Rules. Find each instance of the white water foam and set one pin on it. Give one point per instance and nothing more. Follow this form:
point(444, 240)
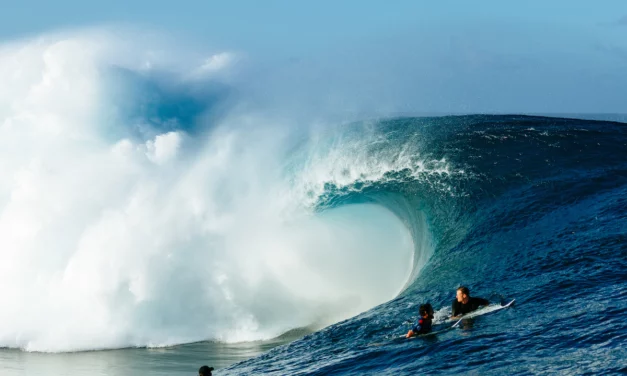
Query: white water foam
point(114, 241)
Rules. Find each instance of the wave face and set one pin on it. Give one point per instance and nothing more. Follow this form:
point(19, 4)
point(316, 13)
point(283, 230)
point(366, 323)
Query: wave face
point(143, 208)
point(533, 208)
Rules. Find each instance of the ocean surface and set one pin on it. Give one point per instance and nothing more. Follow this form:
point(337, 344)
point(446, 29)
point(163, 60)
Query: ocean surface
point(514, 207)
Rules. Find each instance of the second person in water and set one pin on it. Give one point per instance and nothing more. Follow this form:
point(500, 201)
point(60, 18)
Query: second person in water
point(464, 304)
point(424, 322)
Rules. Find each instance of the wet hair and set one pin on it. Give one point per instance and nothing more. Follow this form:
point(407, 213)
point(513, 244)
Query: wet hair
point(464, 290)
point(426, 309)
point(205, 371)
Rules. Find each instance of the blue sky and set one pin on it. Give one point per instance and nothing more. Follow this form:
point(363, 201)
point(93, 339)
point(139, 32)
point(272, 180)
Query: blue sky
point(490, 56)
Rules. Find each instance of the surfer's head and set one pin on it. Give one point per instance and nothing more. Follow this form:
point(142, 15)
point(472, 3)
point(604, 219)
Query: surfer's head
point(205, 371)
point(463, 294)
point(426, 311)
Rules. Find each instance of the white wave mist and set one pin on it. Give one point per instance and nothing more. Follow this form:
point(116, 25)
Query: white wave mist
point(108, 240)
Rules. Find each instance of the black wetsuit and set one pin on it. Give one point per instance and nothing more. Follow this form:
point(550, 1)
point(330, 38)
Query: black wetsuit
point(423, 326)
point(473, 304)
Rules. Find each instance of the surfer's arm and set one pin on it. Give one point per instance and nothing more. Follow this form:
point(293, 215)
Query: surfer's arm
point(454, 315)
point(414, 330)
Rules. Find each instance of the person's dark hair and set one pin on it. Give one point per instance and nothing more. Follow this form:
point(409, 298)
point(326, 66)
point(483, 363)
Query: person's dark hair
point(464, 290)
point(426, 308)
point(205, 371)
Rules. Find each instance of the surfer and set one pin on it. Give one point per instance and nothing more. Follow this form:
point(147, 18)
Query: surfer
point(424, 322)
point(464, 304)
point(205, 371)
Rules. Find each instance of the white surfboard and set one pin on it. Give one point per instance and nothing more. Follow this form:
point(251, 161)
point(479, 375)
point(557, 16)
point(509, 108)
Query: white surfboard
point(483, 311)
point(427, 334)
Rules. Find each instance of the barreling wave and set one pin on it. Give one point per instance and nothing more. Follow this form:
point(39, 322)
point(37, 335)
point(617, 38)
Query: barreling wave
point(535, 212)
